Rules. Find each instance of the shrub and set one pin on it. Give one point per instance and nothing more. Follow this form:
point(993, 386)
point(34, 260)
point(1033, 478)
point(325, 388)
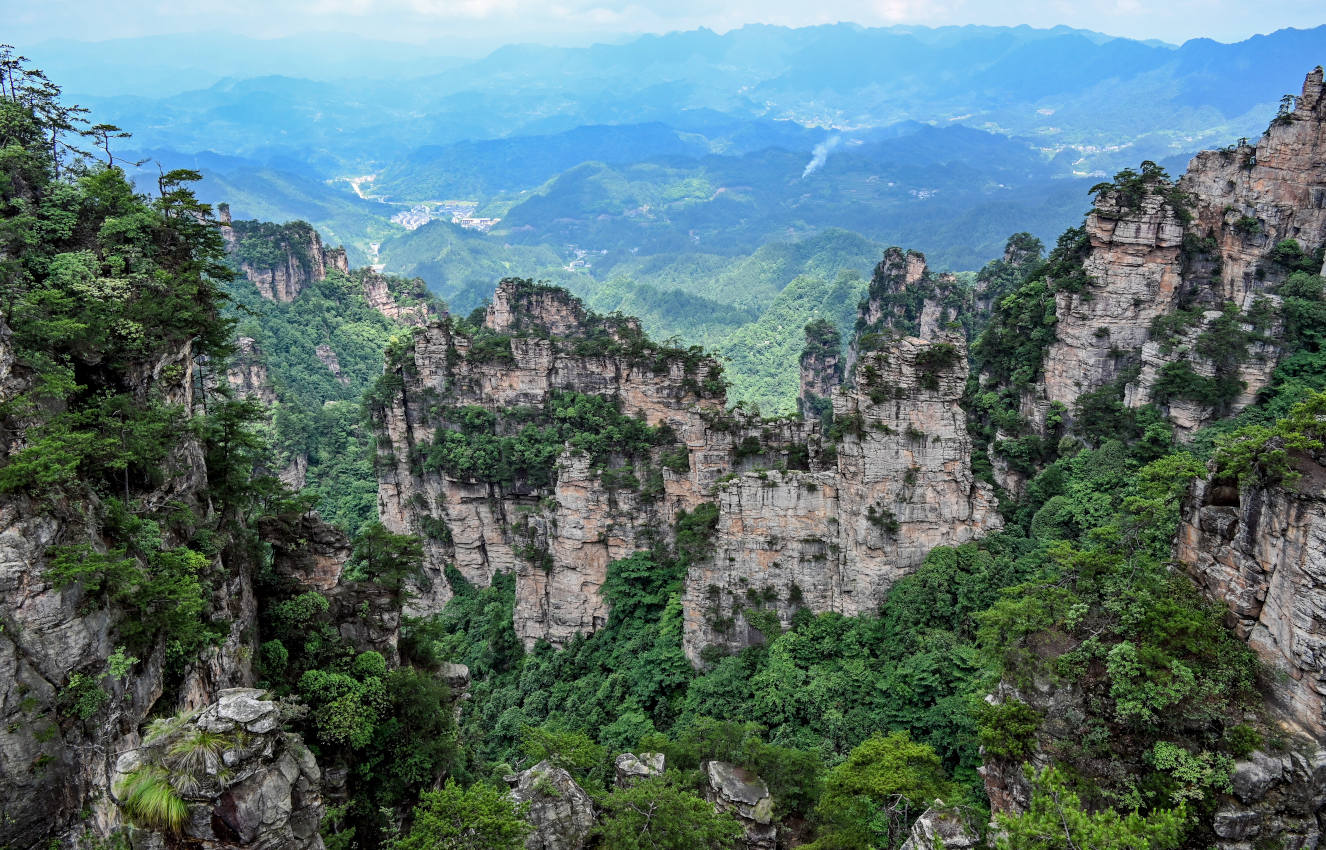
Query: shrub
point(150, 801)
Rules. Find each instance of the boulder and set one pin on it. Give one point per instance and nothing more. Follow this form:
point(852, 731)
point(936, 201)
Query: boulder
point(632, 768)
point(941, 826)
point(246, 783)
point(559, 809)
point(739, 791)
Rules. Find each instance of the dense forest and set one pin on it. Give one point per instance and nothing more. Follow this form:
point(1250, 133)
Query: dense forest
point(148, 519)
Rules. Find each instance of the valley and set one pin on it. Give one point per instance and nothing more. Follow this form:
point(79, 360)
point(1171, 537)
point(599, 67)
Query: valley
point(820, 453)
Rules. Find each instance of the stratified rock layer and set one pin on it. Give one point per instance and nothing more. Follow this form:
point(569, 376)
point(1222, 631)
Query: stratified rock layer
point(830, 533)
point(1261, 551)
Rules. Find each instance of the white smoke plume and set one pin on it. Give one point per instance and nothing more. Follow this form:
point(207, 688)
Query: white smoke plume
point(820, 154)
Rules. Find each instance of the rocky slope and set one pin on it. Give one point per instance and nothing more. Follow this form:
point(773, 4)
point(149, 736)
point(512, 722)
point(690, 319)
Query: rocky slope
point(279, 259)
point(799, 525)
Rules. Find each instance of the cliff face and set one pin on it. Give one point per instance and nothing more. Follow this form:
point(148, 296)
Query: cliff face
point(1262, 552)
point(837, 538)
point(799, 525)
point(55, 759)
point(821, 369)
point(247, 375)
point(279, 259)
point(1171, 268)
point(556, 535)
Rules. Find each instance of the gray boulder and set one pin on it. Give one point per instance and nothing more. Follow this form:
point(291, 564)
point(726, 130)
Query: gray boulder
point(245, 782)
point(737, 790)
point(559, 809)
point(941, 826)
point(632, 768)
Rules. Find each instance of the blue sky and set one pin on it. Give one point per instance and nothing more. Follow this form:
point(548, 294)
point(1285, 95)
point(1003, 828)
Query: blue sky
point(470, 25)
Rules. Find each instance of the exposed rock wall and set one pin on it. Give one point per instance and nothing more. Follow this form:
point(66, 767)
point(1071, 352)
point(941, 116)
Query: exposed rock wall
point(55, 764)
point(836, 539)
point(1206, 244)
point(578, 524)
point(1262, 552)
point(821, 369)
point(1135, 266)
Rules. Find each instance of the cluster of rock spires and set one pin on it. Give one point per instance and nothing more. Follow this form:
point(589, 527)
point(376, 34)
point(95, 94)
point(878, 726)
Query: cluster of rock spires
point(805, 519)
point(798, 526)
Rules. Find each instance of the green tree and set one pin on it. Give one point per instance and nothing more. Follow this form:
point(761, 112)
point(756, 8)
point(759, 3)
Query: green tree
point(386, 558)
point(480, 817)
point(658, 814)
point(1057, 820)
point(871, 799)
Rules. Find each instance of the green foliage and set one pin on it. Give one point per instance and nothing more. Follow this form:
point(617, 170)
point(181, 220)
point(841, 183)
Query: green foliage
point(1130, 188)
point(523, 444)
point(1265, 454)
point(871, 799)
point(480, 817)
point(659, 814)
point(1058, 819)
point(385, 558)
point(1008, 728)
point(150, 801)
point(82, 696)
point(573, 751)
point(160, 591)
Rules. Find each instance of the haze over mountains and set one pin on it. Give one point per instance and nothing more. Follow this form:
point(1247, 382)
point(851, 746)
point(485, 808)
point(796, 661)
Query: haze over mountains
point(639, 173)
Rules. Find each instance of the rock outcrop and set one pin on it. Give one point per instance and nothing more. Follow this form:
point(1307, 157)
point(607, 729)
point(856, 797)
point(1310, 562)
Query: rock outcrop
point(821, 369)
point(905, 299)
point(1160, 255)
point(738, 791)
point(327, 356)
point(560, 811)
point(557, 536)
point(631, 768)
point(836, 538)
point(279, 259)
point(244, 782)
point(1261, 551)
point(407, 303)
point(1276, 800)
point(247, 375)
point(942, 828)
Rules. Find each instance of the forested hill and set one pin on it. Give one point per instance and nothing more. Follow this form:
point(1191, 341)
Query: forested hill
point(1032, 567)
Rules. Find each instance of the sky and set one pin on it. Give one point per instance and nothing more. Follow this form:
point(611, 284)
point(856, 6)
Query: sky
point(467, 27)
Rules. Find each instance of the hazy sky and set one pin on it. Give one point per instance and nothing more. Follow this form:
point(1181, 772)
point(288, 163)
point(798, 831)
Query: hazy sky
point(483, 23)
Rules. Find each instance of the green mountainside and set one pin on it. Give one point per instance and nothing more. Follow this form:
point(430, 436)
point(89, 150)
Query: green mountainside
point(195, 653)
